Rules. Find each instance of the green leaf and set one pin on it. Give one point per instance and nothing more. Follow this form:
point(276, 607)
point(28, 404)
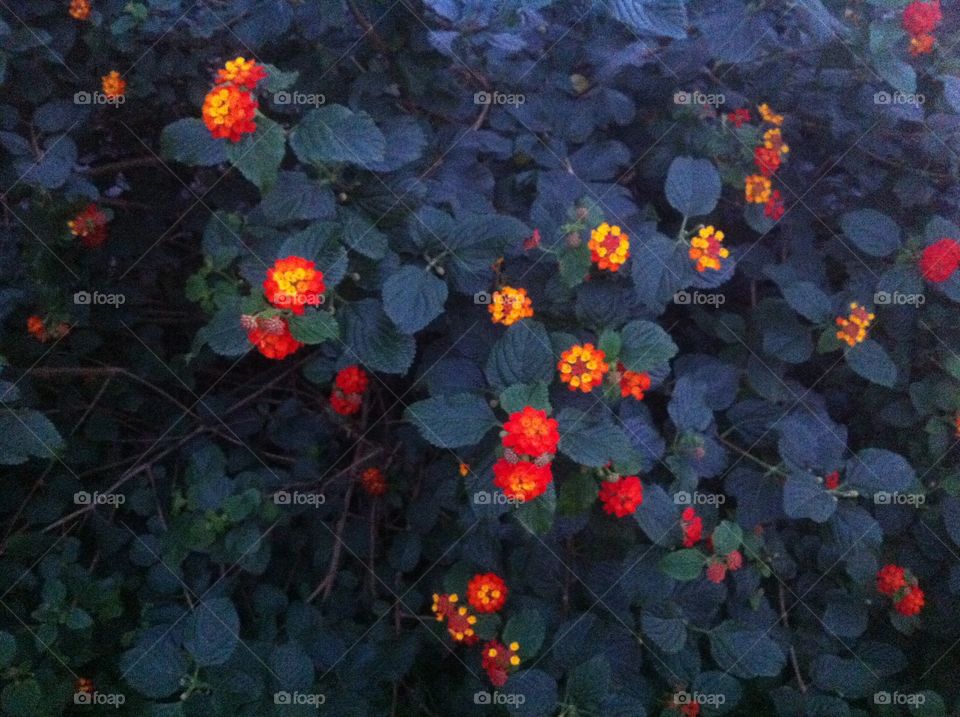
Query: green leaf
point(646, 346)
point(188, 141)
point(898, 73)
point(805, 497)
point(588, 685)
point(668, 633)
point(873, 232)
point(746, 652)
point(526, 627)
point(683, 565)
point(522, 355)
point(337, 134)
point(21, 699)
point(610, 343)
point(361, 234)
point(452, 421)
point(258, 155)
point(515, 398)
point(224, 334)
point(25, 433)
point(211, 632)
point(8, 648)
point(374, 340)
point(314, 327)
point(693, 186)
point(292, 667)
point(277, 79)
point(413, 297)
point(868, 359)
point(537, 515)
point(652, 17)
point(727, 537)
point(155, 666)
point(574, 265)
point(578, 494)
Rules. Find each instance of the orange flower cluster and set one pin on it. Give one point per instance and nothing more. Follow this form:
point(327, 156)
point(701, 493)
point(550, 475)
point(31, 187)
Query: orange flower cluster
point(706, 249)
point(582, 367)
point(113, 85)
point(271, 335)
point(90, 225)
point(349, 386)
point(293, 283)
point(80, 9)
point(609, 247)
point(486, 592)
point(530, 439)
point(230, 108)
point(498, 661)
point(853, 329)
point(509, 305)
point(459, 620)
point(373, 481)
point(758, 188)
point(38, 329)
point(633, 383)
point(903, 587)
point(920, 19)
point(621, 497)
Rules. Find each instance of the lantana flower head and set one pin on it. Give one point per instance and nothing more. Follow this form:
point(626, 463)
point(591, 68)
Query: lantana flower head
point(373, 481)
point(832, 480)
point(922, 45)
point(621, 497)
point(902, 587)
point(739, 117)
point(293, 283)
point(890, 579)
point(241, 72)
point(692, 525)
point(349, 386)
point(531, 432)
point(498, 660)
point(922, 17)
point(940, 260)
point(757, 189)
point(90, 226)
point(229, 112)
point(486, 592)
point(272, 337)
point(113, 85)
point(508, 306)
point(522, 480)
point(767, 160)
point(706, 249)
point(716, 572)
point(768, 115)
point(773, 139)
point(609, 247)
point(633, 383)
point(911, 603)
point(582, 367)
point(853, 328)
point(774, 208)
point(39, 330)
point(80, 9)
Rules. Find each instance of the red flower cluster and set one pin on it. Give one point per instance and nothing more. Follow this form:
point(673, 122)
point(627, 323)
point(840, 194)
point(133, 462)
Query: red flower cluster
point(90, 225)
point(294, 282)
point(348, 389)
point(739, 117)
point(832, 480)
point(271, 335)
point(633, 383)
point(39, 330)
point(373, 481)
point(486, 592)
point(899, 584)
point(529, 442)
point(459, 620)
point(230, 108)
point(692, 525)
point(920, 19)
point(940, 260)
point(718, 567)
point(498, 661)
point(621, 497)
point(767, 157)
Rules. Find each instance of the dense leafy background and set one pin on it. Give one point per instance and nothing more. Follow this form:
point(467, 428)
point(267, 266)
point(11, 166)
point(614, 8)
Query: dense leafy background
point(200, 595)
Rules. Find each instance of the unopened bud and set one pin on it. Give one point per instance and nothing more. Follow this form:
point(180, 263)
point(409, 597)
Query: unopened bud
point(510, 455)
point(248, 322)
point(273, 325)
point(573, 240)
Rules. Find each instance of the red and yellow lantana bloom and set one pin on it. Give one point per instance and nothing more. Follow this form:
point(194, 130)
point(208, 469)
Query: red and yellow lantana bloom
point(292, 283)
point(113, 85)
point(272, 337)
point(530, 432)
point(706, 249)
point(241, 72)
point(853, 328)
point(487, 592)
point(582, 367)
point(523, 480)
point(509, 305)
point(90, 226)
point(609, 247)
point(229, 112)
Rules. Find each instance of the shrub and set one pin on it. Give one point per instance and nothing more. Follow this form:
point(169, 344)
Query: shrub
point(454, 358)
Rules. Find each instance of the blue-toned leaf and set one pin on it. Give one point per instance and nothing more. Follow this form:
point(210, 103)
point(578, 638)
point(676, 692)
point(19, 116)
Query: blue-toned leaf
point(693, 186)
point(452, 421)
point(413, 297)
